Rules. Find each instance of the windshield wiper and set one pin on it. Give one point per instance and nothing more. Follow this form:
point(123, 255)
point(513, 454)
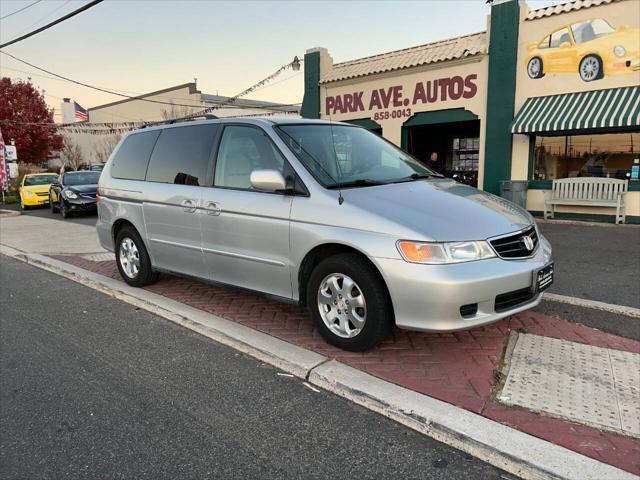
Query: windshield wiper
point(361, 182)
point(417, 176)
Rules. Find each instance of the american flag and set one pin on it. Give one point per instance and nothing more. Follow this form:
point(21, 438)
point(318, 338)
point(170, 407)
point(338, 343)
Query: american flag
point(80, 113)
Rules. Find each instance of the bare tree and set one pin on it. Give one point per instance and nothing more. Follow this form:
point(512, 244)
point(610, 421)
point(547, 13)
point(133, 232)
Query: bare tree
point(102, 149)
point(177, 111)
point(71, 154)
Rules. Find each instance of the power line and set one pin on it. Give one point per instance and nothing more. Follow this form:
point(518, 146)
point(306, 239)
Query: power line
point(55, 22)
point(47, 15)
point(20, 10)
point(229, 102)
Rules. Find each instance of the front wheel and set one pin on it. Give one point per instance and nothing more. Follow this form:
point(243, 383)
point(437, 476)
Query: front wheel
point(23, 207)
point(349, 303)
point(54, 209)
point(64, 209)
point(591, 68)
point(133, 259)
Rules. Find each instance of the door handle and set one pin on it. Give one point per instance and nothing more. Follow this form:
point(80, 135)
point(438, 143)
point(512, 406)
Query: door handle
point(188, 206)
point(213, 208)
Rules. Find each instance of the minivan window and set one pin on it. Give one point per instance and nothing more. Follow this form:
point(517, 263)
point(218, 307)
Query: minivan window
point(340, 154)
point(182, 154)
point(131, 160)
point(242, 150)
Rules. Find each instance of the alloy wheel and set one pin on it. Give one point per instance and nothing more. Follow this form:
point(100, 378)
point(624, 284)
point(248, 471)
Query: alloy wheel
point(589, 69)
point(534, 68)
point(342, 305)
point(129, 257)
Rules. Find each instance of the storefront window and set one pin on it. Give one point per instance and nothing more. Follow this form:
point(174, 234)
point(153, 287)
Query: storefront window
point(464, 164)
point(606, 155)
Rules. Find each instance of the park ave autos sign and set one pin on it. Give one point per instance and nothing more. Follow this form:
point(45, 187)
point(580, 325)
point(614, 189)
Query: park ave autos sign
point(395, 102)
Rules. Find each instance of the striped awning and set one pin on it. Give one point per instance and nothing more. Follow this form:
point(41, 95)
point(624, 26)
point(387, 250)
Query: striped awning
point(597, 109)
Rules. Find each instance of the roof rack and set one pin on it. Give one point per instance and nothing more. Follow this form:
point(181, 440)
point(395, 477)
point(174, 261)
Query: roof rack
point(206, 116)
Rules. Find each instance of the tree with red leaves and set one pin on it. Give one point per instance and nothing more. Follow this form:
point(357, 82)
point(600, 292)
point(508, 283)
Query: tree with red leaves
point(22, 105)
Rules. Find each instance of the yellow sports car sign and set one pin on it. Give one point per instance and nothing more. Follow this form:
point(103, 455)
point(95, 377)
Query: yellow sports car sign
point(591, 48)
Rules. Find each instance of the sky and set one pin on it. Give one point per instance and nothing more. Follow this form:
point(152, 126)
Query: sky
point(136, 47)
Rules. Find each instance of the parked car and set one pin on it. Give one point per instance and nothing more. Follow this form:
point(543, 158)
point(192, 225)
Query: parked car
point(592, 48)
point(74, 192)
point(34, 189)
point(366, 243)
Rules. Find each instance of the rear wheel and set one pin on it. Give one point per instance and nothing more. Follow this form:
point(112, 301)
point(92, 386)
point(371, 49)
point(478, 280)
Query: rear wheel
point(133, 259)
point(54, 209)
point(349, 302)
point(534, 68)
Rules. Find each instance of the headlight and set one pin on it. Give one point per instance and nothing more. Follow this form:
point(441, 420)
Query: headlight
point(439, 253)
point(619, 51)
point(70, 194)
point(27, 193)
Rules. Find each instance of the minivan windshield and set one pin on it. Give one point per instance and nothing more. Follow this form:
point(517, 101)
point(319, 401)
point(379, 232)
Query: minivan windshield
point(341, 155)
point(81, 178)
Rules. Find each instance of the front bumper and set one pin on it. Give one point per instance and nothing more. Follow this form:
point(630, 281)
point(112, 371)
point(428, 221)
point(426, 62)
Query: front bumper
point(34, 200)
point(623, 66)
point(81, 204)
point(428, 297)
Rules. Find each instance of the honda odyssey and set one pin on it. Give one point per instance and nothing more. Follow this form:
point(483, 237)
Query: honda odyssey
point(328, 215)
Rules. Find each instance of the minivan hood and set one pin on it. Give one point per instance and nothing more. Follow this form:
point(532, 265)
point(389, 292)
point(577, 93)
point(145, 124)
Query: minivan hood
point(440, 210)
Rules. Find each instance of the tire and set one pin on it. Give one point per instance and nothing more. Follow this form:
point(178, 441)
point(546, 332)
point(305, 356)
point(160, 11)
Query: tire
point(330, 315)
point(54, 209)
point(23, 207)
point(591, 68)
point(144, 274)
point(535, 68)
point(64, 209)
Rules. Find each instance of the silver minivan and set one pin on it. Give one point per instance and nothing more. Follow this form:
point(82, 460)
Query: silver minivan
point(328, 215)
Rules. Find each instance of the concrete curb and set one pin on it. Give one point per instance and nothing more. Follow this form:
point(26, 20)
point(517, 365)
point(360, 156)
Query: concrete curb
point(515, 452)
point(9, 213)
point(593, 304)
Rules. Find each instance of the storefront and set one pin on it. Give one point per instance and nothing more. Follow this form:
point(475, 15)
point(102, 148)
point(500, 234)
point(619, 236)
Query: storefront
point(558, 97)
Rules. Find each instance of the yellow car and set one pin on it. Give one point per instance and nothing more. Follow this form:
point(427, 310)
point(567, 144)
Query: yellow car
point(34, 189)
point(592, 48)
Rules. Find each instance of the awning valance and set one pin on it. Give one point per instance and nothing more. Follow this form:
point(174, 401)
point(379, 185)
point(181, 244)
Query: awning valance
point(597, 109)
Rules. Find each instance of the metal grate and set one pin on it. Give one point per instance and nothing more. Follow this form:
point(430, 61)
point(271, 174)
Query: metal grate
point(509, 300)
point(517, 245)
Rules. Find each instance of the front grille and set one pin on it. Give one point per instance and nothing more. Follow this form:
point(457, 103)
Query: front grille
point(89, 195)
point(42, 194)
point(514, 246)
point(509, 300)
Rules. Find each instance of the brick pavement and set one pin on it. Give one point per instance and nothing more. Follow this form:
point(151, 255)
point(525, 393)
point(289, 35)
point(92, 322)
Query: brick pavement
point(459, 368)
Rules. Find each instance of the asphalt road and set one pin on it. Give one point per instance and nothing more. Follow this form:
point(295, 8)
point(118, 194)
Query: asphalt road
point(596, 262)
point(91, 387)
point(84, 218)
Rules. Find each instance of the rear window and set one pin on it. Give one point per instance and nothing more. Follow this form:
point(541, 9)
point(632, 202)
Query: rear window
point(132, 158)
point(182, 155)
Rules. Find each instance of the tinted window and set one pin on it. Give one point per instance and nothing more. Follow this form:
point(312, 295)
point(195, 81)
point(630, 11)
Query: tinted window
point(130, 162)
point(182, 155)
point(80, 178)
point(242, 150)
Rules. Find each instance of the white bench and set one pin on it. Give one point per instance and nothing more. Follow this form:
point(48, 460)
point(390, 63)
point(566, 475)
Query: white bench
point(588, 192)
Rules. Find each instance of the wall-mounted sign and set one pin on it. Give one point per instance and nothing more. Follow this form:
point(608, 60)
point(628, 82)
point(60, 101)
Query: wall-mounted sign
point(395, 97)
point(11, 153)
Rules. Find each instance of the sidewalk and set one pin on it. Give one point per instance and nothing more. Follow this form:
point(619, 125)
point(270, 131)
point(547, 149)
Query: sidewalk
point(557, 380)
point(462, 368)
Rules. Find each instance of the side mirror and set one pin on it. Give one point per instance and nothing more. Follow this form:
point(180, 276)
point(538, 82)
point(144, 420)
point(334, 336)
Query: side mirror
point(267, 180)
point(565, 45)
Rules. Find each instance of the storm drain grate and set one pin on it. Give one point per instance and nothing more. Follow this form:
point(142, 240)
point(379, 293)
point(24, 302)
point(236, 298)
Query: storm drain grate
point(595, 386)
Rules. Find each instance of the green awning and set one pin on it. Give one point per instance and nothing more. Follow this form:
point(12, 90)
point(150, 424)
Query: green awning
point(608, 109)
